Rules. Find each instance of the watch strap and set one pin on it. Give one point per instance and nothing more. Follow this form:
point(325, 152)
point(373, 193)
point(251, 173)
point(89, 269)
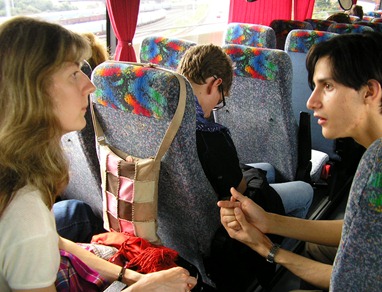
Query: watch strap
point(272, 253)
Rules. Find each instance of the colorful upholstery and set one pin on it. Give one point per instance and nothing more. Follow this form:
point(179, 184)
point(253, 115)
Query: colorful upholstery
point(342, 28)
point(134, 106)
point(297, 45)
point(283, 27)
point(301, 40)
point(259, 112)
point(165, 52)
point(367, 18)
point(320, 24)
point(377, 20)
point(80, 148)
point(254, 35)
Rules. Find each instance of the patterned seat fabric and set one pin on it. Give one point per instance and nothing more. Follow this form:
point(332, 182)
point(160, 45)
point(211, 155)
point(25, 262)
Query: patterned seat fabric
point(165, 52)
point(80, 148)
point(134, 106)
point(320, 24)
point(254, 35)
point(297, 45)
point(377, 20)
point(283, 27)
point(259, 112)
point(342, 28)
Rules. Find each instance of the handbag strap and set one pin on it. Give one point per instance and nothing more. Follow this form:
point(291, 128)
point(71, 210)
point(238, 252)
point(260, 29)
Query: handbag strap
point(175, 121)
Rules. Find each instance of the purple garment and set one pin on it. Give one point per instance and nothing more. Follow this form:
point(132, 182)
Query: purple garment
point(75, 275)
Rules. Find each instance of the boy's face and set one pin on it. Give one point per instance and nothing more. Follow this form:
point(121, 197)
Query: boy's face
point(340, 110)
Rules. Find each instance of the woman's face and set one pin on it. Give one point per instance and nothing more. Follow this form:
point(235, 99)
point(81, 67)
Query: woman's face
point(70, 89)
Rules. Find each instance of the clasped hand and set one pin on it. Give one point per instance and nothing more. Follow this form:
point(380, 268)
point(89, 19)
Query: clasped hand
point(246, 222)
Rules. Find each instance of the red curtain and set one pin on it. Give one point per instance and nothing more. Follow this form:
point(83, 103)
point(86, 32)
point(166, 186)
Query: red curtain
point(264, 11)
point(260, 11)
point(303, 9)
point(123, 17)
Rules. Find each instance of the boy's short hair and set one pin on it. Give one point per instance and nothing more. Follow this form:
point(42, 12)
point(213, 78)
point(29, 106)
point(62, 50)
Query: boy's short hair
point(203, 61)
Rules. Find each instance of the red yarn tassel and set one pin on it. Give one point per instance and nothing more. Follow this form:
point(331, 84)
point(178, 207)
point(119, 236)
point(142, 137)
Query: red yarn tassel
point(153, 259)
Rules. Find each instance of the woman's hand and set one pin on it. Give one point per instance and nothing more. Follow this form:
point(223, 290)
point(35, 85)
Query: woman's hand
point(172, 280)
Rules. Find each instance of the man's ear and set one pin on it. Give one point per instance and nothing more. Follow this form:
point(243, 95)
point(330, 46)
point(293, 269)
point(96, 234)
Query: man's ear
point(213, 84)
point(373, 91)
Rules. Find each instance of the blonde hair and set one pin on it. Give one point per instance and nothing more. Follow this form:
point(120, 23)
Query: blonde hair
point(31, 51)
point(99, 51)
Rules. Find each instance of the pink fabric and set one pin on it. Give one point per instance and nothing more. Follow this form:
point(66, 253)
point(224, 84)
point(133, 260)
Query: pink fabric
point(123, 17)
point(75, 275)
point(263, 12)
point(126, 189)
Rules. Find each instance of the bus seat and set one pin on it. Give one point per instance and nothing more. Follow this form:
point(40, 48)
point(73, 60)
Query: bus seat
point(84, 172)
point(297, 45)
point(342, 28)
point(187, 212)
point(319, 24)
point(259, 112)
point(367, 18)
point(325, 153)
point(377, 20)
point(283, 27)
point(254, 35)
point(162, 51)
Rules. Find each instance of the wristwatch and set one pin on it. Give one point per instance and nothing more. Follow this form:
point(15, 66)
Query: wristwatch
point(272, 253)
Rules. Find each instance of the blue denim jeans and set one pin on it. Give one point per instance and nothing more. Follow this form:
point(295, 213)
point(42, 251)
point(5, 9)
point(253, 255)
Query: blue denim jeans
point(297, 196)
point(76, 221)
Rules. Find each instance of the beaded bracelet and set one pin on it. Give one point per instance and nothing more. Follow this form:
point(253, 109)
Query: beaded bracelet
point(121, 273)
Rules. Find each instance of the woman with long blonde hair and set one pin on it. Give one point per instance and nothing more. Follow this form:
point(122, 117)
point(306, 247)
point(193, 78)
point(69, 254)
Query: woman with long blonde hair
point(43, 95)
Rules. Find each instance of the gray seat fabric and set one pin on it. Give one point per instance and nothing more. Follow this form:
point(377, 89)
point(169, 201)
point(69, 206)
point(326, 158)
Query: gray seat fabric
point(162, 51)
point(259, 112)
point(85, 179)
point(297, 45)
point(254, 35)
point(134, 106)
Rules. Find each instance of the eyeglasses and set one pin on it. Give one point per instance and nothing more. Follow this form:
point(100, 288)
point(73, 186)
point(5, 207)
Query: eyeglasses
point(221, 104)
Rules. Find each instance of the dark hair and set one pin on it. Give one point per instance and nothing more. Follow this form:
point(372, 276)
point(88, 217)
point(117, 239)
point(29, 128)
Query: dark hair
point(354, 58)
point(357, 10)
point(340, 18)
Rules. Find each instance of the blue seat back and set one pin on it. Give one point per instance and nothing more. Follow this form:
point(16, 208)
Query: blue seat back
point(162, 51)
point(297, 45)
point(259, 111)
point(254, 35)
point(134, 106)
point(84, 172)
